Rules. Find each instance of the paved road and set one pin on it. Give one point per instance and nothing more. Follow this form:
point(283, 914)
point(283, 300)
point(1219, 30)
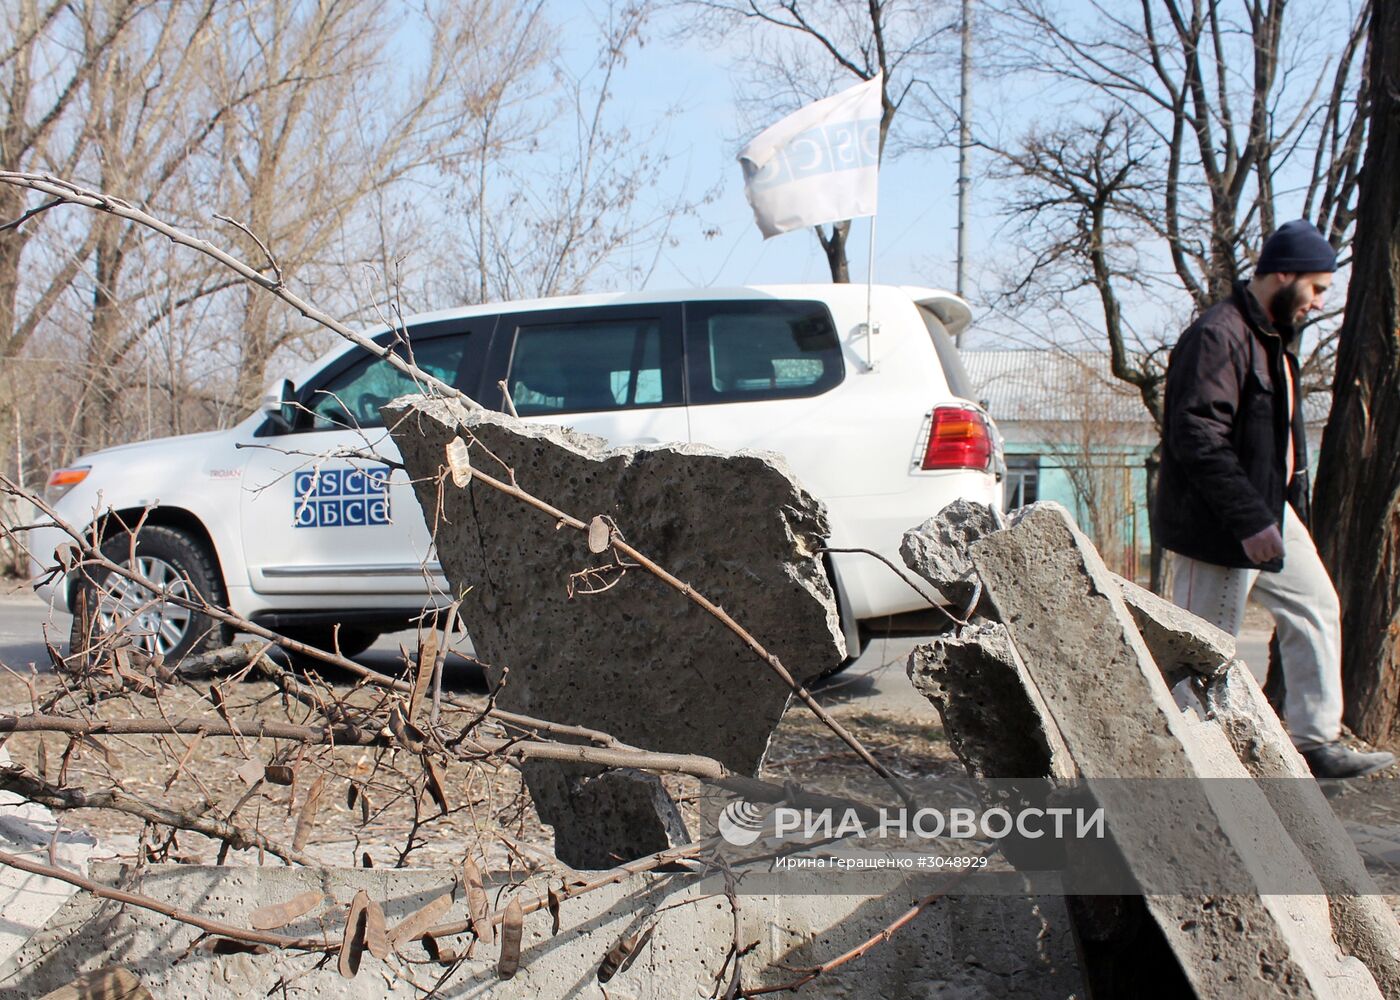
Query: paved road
point(875, 682)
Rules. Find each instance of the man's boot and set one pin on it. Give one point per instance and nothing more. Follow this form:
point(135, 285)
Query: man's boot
point(1334, 761)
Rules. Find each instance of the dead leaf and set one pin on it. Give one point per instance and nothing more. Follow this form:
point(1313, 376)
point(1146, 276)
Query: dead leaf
point(410, 737)
point(598, 534)
point(376, 937)
point(512, 931)
point(352, 944)
point(427, 660)
point(420, 920)
point(366, 861)
point(274, 915)
point(278, 774)
point(250, 772)
point(437, 952)
point(111, 983)
point(437, 783)
point(459, 461)
point(621, 955)
point(306, 819)
point(554, 901)
point(478, 903)
point(232, 946)
point(356, 793)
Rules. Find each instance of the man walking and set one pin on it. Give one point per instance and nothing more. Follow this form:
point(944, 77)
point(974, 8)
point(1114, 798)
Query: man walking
point(1232, 495)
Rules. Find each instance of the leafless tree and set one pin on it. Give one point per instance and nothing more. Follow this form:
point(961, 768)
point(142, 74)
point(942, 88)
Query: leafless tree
point(1357, 514)
point(800, 49)
point(303, 162)
point(51, 54)
point(555, 191)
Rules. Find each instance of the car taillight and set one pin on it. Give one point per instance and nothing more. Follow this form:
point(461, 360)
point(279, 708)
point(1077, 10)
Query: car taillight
point(63, 480)
point(958, 438)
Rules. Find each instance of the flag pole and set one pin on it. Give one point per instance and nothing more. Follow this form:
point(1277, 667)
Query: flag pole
point(869, 292)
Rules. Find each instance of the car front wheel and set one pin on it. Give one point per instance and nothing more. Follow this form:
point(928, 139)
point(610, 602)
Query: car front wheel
point(172, 563)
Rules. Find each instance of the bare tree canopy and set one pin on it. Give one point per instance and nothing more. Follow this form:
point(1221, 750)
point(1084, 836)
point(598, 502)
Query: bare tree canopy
point(392, 158)
point(1190, 131)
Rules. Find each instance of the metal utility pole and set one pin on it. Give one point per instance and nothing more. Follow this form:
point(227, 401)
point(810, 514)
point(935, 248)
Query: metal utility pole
point(964, 148)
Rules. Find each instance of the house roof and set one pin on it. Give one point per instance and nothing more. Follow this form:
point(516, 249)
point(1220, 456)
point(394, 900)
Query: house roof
point(1051, 385)
point(1055, 385)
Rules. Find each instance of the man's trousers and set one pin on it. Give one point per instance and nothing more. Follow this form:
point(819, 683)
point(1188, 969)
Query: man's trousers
point(1306, 613)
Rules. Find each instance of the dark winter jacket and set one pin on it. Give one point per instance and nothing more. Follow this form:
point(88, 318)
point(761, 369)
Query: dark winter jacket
point(1224, 435)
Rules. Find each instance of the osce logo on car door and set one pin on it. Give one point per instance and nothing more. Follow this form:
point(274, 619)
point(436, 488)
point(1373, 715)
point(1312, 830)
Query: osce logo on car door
point(344, 497)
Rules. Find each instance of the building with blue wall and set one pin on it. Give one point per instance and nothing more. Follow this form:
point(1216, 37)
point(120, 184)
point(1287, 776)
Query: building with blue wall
point(1076, 435)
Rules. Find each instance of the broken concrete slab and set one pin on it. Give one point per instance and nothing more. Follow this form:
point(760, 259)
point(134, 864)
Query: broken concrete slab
point(993, 716)
point(623, 814)
point(29, 829)
point(1364, 924)
point(973, 947)
point(1116, 715)
point(1273, 859)
point(627, 659)
point(995, 723)
point(1182, 645)
point(937, 549)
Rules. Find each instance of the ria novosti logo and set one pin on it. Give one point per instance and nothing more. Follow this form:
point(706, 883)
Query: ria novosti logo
point(741, 823)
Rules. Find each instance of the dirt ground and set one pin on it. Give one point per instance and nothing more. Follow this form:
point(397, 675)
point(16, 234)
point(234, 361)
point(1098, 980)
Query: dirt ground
point(489, 813)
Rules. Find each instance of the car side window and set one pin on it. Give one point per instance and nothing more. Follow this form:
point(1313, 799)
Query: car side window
point(586, 366)
point(761, 349)
point(352, 397)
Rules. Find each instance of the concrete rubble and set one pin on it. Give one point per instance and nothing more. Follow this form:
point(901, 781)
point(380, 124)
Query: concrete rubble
point(1225, 872)
point(1093, 658)
point(959, 949)
point(737, 527)
point(31, 830)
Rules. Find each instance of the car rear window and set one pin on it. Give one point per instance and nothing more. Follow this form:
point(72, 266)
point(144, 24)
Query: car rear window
point(761, 350)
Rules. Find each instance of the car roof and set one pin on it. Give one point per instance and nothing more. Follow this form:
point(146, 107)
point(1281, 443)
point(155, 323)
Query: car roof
point(951, 310)
point(793, 291)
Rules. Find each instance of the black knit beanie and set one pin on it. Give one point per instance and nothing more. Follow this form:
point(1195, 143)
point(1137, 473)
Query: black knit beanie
point(1297, 248)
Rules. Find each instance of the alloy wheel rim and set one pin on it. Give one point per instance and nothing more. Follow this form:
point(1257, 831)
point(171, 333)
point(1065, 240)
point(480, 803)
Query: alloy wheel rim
point(136, 610)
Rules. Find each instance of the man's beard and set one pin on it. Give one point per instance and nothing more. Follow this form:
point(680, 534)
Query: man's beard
point(1287, 306)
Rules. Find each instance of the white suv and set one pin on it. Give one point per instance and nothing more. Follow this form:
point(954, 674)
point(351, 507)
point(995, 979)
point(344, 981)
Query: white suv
point(251, 516)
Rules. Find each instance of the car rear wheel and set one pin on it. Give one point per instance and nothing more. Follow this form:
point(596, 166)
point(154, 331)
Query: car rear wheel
point(172, 563)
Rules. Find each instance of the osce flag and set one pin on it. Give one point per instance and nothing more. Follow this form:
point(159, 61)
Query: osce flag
point(819, 164)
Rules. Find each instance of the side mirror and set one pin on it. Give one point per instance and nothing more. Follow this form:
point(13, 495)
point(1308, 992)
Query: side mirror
point(280, 407)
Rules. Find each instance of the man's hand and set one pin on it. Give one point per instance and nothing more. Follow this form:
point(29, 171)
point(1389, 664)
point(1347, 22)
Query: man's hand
point(1264, 546)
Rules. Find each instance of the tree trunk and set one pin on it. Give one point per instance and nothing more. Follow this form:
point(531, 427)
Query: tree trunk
point(835, 248)
point(1357, 510)
point(99, 404)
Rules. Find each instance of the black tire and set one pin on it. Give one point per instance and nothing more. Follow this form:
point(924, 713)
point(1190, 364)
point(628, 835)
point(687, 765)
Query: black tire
point(169, 557)
point(353, 640)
